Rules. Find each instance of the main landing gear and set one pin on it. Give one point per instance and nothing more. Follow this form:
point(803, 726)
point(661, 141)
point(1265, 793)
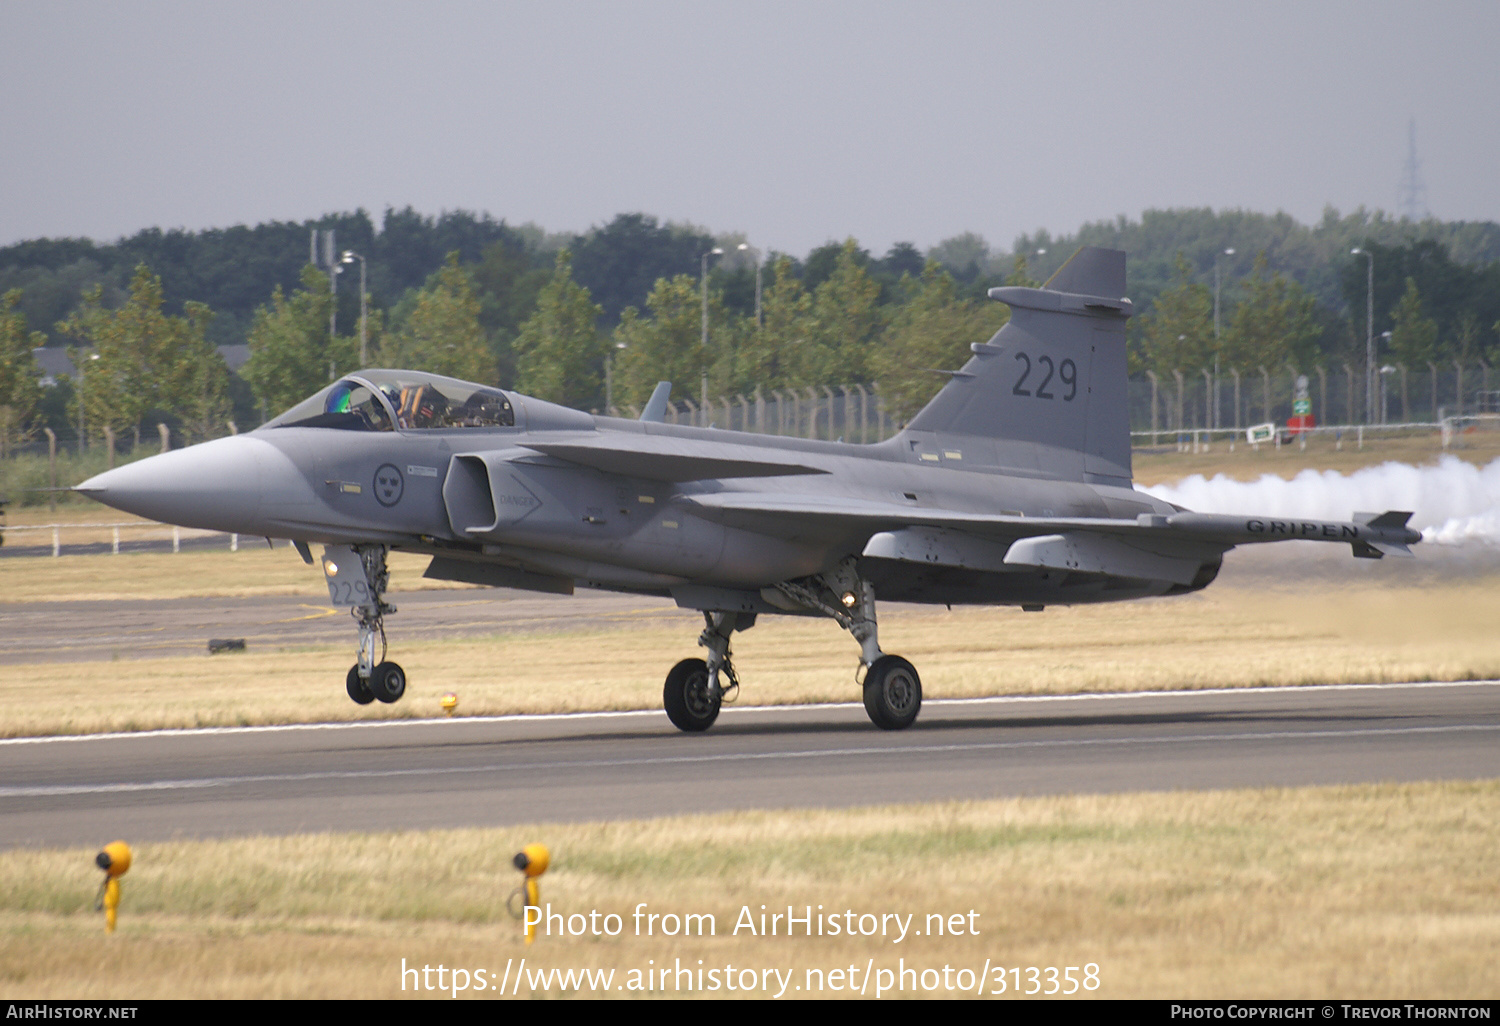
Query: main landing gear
point(892, 689)
point(357, 576)
point(694, 689)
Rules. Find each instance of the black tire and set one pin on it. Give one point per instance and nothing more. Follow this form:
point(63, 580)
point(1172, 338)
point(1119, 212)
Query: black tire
point(358, 687)
point(686, 697)
point(893, 693)
point(388, 682)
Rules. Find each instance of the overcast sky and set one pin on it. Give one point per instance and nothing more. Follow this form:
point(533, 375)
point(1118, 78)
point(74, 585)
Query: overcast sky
point(795, 123)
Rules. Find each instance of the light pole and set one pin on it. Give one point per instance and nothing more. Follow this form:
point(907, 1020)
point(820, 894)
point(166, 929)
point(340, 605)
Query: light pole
point(333, 294)
point(703, 289)
point(1227, 252)
point(325, 256)
point(82, 438)
point(609, 378)
point(349, 257)
point(1369, 334)
point(1181, 345)
point(746, 247)
point(1382, 372)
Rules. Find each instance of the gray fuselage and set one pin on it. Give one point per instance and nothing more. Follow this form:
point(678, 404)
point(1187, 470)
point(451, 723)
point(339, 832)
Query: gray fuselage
point(484, 497)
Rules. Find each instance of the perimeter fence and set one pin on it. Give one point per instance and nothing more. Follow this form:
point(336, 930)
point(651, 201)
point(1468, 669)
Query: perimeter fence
point(1161, 406)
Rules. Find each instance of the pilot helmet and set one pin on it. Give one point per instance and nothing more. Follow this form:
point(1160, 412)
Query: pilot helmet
point(338, 397)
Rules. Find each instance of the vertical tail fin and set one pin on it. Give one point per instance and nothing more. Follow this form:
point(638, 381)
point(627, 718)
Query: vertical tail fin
point(656, 406)
point(1047, 394)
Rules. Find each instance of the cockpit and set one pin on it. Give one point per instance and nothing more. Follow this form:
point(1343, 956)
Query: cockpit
point(385, 400)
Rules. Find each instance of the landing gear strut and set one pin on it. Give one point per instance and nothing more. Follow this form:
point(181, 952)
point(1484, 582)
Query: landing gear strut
point(892, 689)
point(357, 577)
point(695, 687)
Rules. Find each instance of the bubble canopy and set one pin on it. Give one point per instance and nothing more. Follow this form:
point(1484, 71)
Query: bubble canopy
point(390, 400)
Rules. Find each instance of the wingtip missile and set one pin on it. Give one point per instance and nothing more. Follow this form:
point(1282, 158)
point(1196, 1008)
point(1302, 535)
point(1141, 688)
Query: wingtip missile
point(1370, 535)
point(1394, 536)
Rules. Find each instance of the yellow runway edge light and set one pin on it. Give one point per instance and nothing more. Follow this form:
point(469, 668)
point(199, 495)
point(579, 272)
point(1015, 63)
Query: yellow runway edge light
point(115, 861)
point(532, 860)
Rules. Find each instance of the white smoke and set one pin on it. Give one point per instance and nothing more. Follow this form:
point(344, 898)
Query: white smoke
point(1452, 503)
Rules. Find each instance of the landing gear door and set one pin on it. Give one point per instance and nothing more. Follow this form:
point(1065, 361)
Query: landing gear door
point(345, 573)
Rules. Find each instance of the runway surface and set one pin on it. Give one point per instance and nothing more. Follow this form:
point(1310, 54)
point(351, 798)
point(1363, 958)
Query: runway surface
point(496, 771)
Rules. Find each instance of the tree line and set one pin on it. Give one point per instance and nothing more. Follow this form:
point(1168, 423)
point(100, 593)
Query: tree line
point(1424, 308)
point(835, 331)
point(598, 318)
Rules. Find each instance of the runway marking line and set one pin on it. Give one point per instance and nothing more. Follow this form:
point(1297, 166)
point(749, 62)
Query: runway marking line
point(55, 790)
point(320, 614)
point(450, 723)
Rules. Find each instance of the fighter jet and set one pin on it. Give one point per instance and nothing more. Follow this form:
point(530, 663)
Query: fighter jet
point(1011, 487)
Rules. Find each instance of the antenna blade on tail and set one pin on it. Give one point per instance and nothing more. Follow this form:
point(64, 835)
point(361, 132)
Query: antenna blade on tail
point(1091, 272)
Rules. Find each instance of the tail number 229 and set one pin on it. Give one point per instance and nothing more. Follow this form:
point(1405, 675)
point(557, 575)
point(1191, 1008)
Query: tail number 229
point(1066, 372)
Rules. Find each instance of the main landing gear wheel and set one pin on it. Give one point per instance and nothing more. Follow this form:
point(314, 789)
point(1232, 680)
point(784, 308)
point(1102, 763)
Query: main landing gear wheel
point(359, 688)
point(691, 706)
point(388, 682)
point(893, 693)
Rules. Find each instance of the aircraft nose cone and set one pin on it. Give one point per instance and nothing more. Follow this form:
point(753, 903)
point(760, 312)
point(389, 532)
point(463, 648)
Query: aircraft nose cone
point(215, 485)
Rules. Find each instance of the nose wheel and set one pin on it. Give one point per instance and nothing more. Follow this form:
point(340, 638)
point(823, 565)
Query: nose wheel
point(387, 682)
point(358, 687)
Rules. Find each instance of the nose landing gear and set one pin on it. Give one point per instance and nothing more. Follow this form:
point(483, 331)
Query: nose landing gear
point(357, 577)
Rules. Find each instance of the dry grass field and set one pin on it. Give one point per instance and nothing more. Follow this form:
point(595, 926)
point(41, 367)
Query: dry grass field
point(1354, 892)
point(1222, 637)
